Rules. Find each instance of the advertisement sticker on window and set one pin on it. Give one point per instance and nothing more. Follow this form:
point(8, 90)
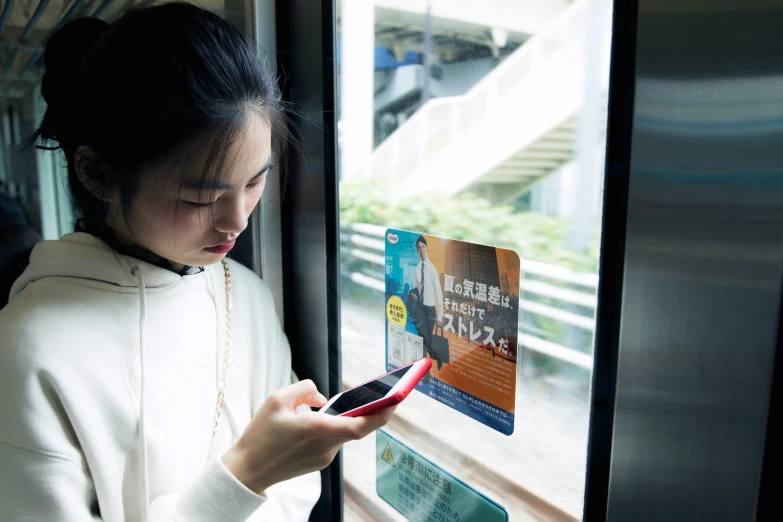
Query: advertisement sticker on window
point(458, 304)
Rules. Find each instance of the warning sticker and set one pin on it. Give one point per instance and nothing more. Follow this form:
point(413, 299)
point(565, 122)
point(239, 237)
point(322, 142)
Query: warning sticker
point(423, 492)
point(387, 455)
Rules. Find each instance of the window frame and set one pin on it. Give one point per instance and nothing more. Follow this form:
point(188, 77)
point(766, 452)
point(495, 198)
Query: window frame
point(307, 263)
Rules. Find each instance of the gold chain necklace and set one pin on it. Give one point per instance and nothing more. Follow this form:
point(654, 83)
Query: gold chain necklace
point(226, 350)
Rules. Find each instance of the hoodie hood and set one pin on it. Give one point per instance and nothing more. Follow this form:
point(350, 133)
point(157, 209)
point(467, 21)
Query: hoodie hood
point(83, 256)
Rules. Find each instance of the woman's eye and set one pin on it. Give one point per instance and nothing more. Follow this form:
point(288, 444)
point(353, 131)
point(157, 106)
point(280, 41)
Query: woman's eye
point(259, 183)
point(199, 205)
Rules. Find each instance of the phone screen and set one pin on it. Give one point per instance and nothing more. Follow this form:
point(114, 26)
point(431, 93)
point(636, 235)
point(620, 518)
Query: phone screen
point(366, 393)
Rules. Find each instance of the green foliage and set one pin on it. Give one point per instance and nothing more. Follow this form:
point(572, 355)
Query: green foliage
point(471, 218)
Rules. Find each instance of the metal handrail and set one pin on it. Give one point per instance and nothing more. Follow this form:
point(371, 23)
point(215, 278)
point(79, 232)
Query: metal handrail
point(9, 5)
point(28, 30)
point(73, 11)
point(75, 6)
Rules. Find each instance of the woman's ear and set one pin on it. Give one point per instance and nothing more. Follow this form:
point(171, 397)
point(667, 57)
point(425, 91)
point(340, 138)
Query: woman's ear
point(94, 175)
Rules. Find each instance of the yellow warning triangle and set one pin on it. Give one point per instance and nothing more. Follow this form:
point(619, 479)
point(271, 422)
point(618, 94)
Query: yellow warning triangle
point(387, 455)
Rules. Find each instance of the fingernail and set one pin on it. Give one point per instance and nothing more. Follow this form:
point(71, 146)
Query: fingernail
point(323, 399)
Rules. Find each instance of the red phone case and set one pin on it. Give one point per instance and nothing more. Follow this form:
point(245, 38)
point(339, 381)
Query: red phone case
point(413, 377)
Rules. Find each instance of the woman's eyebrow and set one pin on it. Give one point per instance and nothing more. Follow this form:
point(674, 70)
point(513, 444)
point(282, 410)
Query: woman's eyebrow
point(263, 170)
point(221, 185)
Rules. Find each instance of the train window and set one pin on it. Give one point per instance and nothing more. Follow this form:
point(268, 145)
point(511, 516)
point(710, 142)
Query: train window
point(488, 126)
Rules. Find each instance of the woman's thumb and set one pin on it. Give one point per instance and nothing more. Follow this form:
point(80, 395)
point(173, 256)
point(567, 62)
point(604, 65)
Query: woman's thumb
point(302, 392)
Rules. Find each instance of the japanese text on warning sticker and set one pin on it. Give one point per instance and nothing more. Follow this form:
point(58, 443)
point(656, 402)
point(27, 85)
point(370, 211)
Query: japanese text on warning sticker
point(422, 491)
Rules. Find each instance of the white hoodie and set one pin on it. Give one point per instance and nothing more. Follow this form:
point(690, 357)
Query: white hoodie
point(72, 433)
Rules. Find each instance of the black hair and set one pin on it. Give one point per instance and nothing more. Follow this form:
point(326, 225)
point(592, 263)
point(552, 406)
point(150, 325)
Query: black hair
point(159, 87)
point(420, 239)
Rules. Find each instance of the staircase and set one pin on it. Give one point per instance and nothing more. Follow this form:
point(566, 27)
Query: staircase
point(517, 125)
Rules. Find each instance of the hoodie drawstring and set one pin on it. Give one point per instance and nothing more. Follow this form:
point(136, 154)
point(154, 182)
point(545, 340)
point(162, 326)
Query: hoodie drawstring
point(145, 494)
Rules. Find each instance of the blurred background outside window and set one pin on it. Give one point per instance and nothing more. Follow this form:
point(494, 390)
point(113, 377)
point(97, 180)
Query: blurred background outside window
point(484, 122)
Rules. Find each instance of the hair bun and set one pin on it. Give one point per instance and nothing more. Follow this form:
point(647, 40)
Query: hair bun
point(63, 56)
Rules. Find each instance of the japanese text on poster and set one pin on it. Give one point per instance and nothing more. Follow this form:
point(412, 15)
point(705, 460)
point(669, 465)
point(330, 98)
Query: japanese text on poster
point(456, 303)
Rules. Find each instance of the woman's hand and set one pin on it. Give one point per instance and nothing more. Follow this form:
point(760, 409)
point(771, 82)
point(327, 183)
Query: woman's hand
point(280, 444)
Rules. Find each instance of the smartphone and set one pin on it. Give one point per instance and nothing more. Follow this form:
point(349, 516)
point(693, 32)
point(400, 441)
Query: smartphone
point(379, 393)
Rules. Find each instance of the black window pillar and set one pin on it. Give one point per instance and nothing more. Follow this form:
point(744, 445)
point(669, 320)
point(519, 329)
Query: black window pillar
point(309, 212)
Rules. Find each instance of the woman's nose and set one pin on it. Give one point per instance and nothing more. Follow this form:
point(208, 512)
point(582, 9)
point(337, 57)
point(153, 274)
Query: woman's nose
point(232, 219)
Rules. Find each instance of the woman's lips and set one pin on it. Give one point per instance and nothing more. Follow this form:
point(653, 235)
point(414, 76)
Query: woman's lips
point(221, 249)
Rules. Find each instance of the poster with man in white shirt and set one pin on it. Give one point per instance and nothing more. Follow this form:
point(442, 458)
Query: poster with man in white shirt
point(460, 309)
point(429, 298)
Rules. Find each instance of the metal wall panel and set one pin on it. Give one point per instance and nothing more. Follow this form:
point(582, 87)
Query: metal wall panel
point(703, 263)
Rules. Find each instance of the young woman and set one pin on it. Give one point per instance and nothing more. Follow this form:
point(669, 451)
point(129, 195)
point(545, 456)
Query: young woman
point(143, 376)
